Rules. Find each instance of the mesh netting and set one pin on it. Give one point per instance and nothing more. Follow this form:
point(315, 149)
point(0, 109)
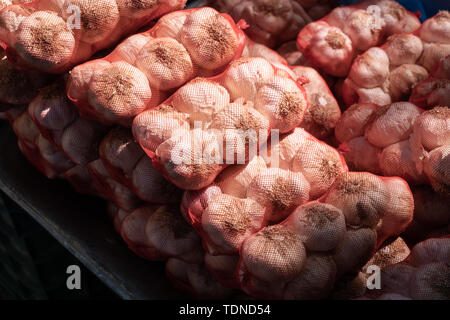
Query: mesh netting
point(145, 68)
point(53, 36)
point(237, 109)
point(399, 139)
point(332, 43)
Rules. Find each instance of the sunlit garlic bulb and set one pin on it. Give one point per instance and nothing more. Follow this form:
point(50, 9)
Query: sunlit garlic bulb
point(282, 102)
point(353, 120)
point(44, 40)
point(227, 221)
point(191, 161)
point(245, 76)
point(361, 196)
point(319, 163)
point(153, 127)
point(432, 128)
point(166, 63)
point(129, 49)
point(398, 160)
point(201, 98)
point(403, 79)
point(119, 92)
point(170, 25)
point(209, 38)
point(279, 191)
point(370, 69)
point(436, 28)
point(236, 179)
point(97, 18)
point(403, 48)
point(392, 124)
point(362, 28)
point(320, 226)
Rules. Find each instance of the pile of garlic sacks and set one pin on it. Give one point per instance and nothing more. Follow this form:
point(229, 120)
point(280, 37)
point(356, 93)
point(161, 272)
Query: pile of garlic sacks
point(260, 149)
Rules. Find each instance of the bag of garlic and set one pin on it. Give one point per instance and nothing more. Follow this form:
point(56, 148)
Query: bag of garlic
point(332, 43)
point(147, 67)
point(399, 139)
point(211, 123)
point(53, 36)
point(290, 231)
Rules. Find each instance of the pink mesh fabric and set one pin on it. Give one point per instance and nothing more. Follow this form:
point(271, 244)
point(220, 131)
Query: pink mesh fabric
point(145, 68)
point(274, 22)
point(399, 139)
point(210, 123)
point(53, 36)
point(332, 43)
point(424, 275)
point(302, 257)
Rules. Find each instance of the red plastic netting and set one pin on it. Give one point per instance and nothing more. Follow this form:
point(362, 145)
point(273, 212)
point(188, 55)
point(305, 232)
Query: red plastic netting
point(211, 123)
point(144, 69)
point(53, 36)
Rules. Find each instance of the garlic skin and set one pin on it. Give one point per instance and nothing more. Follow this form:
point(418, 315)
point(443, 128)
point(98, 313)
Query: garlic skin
point(432, 54)
point(282, 102)
point(98, 19)
point(321, 226)
point(129, 49)
point(360, 155)
point(279, 191)
point(62, 46)
point(235, 180)
point(170, 25)
point(392, 124)
point(436, 28)
point(130, 93)
point(201, 98)
point(226, 230)
point(245, 76)
point(403, 79)
point(403, 49)
point(398, 160)
point(166, 63)
point(362, 29)
point(353, 120)
point(370, 69)
point(436, 166)
point(209, 38)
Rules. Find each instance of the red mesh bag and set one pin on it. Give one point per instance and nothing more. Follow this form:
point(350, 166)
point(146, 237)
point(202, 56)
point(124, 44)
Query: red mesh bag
point(423, 275)
point(332, 43)
point(385, 74)
point(146, 67)
point(273, 22)
point(127, 163)
point(210, 123)
point(53, 36)
point(302, 257)
point(397, 140)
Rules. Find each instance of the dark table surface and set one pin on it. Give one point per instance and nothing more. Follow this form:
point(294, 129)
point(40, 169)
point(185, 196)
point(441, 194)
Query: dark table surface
point(81, 225)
